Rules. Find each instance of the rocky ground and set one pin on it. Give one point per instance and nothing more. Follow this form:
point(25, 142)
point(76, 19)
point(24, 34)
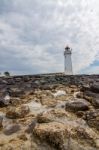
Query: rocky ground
point(49, 112)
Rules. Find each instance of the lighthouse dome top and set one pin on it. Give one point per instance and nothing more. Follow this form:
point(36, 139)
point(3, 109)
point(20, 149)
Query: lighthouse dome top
point(67, 50)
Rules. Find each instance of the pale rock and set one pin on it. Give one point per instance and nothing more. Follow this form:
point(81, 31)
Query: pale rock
point(59, 93)
point(6, 100)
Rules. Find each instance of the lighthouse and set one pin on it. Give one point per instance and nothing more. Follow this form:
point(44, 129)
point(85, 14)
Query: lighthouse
point(68, 61)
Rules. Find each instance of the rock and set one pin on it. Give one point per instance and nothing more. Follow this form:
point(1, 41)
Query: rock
point(4, 101)
point(91, 94)
point(79, 95)
point(11, 82)
point(92, 119)
point(2, 81)
point(95, 88)
point(19, 112)
point(46, 125)
point(45, 87)
point(12, 128)
point(84, 88)
point(93, 98)
point(35, 107)
point(86, 135)
point(23, 110)
point(1, 103)
point(41, 118)
point(59, 93)
point(23, 137)
point(61, 105)
point(75, 106)
point(17, 93)
point(50, 102)
point(97, 142)
point(11, 113)
point(53, 133)
point(31, 126)
point(88, 95)
point(6, 122)
point(1, 119)
point(51, 115)
point(15, 101)
point(80, 114)
point(95, 102)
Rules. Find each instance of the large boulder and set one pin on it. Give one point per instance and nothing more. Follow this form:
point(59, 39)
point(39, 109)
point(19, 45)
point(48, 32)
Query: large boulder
point(62, 137)
point(53, 133)
point(75, 106)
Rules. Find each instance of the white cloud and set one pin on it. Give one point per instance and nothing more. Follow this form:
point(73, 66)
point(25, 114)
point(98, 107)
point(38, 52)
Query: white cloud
point(35, 32)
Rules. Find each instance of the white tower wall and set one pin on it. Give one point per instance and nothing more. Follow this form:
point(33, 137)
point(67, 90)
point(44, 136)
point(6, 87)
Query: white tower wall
point(68, 65)
point(68, 61)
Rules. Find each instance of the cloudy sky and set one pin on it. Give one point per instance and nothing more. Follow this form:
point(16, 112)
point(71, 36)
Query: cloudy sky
point(34, 33)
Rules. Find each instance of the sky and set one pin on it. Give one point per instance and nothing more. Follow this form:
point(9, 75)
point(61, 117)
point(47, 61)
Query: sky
point(34, 33)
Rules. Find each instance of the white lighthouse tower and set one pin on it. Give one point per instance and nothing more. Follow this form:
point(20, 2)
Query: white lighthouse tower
point(68, 61)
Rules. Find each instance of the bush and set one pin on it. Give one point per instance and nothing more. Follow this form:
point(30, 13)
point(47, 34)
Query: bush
point(7, 74)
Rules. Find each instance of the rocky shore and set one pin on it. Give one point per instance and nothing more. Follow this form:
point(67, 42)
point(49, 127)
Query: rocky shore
point(49, 112)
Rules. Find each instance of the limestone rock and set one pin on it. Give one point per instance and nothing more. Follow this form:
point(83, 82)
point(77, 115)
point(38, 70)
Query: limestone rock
point(50, 102)
point(23, 110)
point(35, 117)
point(75, 106)
point(51, 115)
point(53, 133)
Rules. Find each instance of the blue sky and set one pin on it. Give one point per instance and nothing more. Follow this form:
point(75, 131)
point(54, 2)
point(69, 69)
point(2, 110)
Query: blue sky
point(34, 33)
